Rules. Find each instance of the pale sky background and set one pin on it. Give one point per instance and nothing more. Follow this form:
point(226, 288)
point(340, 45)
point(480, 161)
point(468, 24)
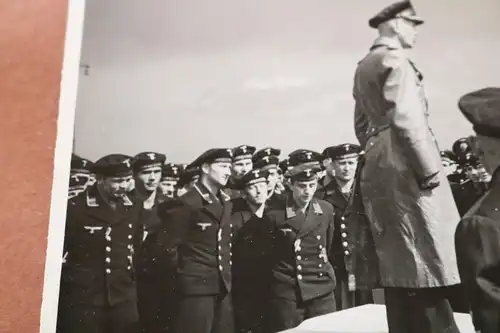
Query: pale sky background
point(182, 76)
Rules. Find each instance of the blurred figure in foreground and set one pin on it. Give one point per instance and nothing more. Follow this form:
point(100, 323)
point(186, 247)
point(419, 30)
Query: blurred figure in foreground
point(478, 234)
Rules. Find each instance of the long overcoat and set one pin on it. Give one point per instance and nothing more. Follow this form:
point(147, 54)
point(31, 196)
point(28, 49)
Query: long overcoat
point(413, 229)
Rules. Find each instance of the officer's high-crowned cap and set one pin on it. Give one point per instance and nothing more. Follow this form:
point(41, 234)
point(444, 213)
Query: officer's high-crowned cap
point(114, 165)
point(253, 177)
point(461, 147)
point(469, 159)
point(342, 151)
point(303, 160)
point(448, 155)
point(148, 160)
point(170, 171)
point(304, 156)
point(401, 9)
point(268, 151)
point(214, 155)
point(304, 172)
point(243, 152)
point(482, 109)
point(267, 162)
point(80, 164)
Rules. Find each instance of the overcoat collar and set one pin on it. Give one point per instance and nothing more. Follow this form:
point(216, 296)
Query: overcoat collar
point(390, 43)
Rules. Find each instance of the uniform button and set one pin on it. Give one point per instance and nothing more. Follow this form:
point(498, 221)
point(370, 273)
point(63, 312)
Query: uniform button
point(108, 271)
point(129, 236)
point(230, 262)
point(220, 267)
point(129, 247)
point(318, 237)
point(129, 268)
point(320, 247)
point(342, 226)
point(299, 267)
point(345, 244)
point(320, 265)
point(320, 274)
point(231, 235)
point(230, 226)
point(346, 253)
point(108, 259)
point(220, 257)
point(299, 277)
point(230, 245)
point(299, 258)
point(130, 225)
point(108, 249)
point(220, 247)
point(230, 254)
point(342, 218)
point(344, 235)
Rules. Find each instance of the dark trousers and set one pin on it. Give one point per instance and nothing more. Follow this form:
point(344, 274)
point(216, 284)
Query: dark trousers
point(425, 310)
point(457, 296)
point(156, 303)
point(81, 318)
point(250, 312)
point(285, 314)
point(205, 314)
point(346, 299)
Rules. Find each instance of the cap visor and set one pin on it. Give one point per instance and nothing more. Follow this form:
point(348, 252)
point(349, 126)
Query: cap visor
point(413, 18)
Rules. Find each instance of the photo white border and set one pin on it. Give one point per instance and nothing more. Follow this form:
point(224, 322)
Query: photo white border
point(62, 153)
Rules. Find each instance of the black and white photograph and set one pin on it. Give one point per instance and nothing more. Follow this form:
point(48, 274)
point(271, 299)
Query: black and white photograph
point(284, 166)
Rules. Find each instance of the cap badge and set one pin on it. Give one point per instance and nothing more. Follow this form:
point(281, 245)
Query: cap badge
point(230, 152)
point(307, 172)
point(127, 163)
point(256, 173)
point(346, 147)
point(244, 149)
point(84, 163)
point(152, 156)
point(308, 155)
point(268, 151)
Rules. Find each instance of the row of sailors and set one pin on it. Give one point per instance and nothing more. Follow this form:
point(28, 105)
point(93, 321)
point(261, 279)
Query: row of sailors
point(176, 255)
point(468, 178)
point(182, 238)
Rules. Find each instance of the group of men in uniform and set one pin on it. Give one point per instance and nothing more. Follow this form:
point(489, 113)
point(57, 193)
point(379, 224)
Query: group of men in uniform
point(241, 241)
point(279, 221)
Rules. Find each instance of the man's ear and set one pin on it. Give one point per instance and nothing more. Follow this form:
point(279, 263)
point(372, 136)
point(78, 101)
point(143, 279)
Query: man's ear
point(205, 168)
point(326, 162)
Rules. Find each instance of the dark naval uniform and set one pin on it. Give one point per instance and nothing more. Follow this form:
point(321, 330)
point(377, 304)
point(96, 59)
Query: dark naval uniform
point(478, 258)
point(466, 193)
point(344, 297)
point(197, 233)
point(155, 283)
point(477, 238)
point(303, 279)
point(98, 290)
point(252, 252)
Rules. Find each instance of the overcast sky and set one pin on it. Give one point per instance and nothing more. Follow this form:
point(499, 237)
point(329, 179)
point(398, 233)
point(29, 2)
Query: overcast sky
point(180, 77)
